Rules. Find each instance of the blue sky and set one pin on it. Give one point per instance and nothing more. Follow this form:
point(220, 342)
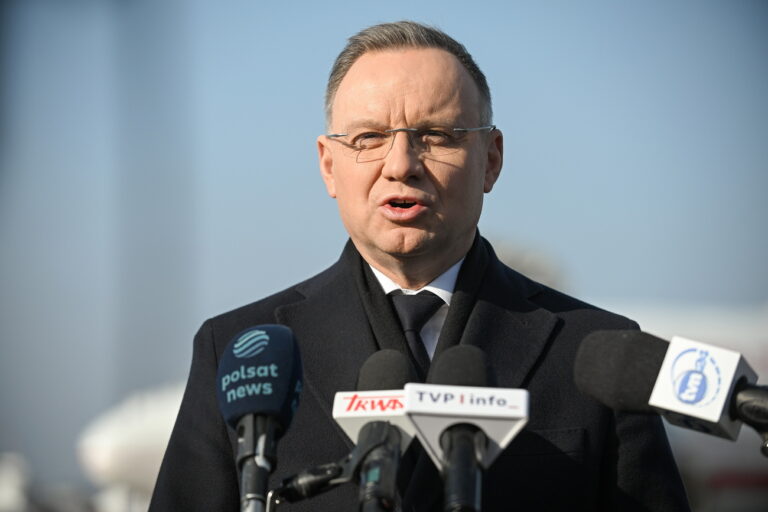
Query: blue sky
point(636, 135)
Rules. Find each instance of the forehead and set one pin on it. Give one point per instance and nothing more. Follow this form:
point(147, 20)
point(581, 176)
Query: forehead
point(404, 87)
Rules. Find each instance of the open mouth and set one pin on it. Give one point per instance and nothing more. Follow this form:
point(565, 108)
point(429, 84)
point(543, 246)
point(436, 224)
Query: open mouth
point(401, 204)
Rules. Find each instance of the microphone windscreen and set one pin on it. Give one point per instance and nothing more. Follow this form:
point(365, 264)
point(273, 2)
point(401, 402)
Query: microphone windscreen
point(619, 368)
point(461, 365)
point(385, 369)
point(260, 373)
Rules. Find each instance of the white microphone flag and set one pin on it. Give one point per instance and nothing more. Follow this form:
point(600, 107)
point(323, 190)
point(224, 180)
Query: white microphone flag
point(695, 386)
point(427, 410)
point(500, 413)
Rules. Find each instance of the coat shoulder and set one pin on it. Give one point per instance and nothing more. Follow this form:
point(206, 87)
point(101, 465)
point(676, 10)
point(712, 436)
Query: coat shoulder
point(567, 307)
point(263, 310)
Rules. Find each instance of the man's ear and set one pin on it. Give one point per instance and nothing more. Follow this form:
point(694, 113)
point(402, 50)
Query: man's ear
point(325, 157)
point(494, 159)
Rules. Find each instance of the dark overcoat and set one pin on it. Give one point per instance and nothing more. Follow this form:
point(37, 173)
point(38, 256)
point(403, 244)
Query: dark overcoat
point(574, 453)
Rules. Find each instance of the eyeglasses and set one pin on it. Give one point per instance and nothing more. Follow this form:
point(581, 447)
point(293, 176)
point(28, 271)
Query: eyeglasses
point(372, 145)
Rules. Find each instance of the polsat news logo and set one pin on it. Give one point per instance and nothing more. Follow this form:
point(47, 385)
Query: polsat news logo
point(374, 403)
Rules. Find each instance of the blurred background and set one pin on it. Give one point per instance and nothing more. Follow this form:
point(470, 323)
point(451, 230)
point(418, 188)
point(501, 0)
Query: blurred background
point(158, 167)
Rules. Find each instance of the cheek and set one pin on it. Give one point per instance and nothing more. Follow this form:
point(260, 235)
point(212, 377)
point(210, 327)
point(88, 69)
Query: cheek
point(463, 195)
point(352, 195)
point(462, 184)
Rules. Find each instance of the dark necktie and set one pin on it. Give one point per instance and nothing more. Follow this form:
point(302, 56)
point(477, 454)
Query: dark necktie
point(414, 311)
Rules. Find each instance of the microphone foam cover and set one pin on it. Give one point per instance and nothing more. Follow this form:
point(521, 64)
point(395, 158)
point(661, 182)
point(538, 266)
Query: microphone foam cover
point(260, 373)
point(619, 368)
point(461, 365)
point(385, 369)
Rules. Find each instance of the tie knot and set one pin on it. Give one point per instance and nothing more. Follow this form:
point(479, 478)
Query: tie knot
point(415, 310)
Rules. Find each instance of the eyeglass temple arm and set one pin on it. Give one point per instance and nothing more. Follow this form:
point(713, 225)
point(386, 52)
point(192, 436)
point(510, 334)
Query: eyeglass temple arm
point(489, 128)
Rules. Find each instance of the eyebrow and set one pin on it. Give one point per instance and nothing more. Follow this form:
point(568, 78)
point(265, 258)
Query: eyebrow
point(364, 123)
point(376, 125)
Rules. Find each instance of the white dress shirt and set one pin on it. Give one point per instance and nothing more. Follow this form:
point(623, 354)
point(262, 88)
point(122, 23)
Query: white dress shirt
point(442, 286)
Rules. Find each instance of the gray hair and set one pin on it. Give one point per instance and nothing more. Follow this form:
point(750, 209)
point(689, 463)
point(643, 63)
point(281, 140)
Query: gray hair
point(404, 34)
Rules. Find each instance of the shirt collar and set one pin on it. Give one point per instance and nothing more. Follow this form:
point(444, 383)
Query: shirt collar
point(442, 286)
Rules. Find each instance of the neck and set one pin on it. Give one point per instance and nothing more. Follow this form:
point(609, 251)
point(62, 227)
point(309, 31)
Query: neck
point(413, 272)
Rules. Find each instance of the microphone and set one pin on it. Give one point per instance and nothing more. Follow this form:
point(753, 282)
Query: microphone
point(379, 442)
point(693, 385)
point(379, 396)
point(374, 415)
point(463, 423)
point(258, 386)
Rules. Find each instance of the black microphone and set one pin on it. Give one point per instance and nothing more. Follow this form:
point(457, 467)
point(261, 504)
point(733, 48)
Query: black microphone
point(692, 384)
point(619, 368)
point(463, 444)
point(385, 369)
point(258, 386)
point(375, 422)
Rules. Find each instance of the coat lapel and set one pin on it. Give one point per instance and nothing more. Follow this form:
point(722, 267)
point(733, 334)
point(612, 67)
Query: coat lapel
point(492, 309)
point(512, 331)
point(518, 341)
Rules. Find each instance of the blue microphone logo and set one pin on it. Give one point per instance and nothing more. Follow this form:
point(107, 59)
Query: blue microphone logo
point(250, 343)
point(696, 377)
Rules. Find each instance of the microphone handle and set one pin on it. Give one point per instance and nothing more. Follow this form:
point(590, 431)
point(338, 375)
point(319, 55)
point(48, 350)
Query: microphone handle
point(256, 455)
point(253, 485)
point(750, 405)
point(379, 444)
point(377, 480)
point(462, 445)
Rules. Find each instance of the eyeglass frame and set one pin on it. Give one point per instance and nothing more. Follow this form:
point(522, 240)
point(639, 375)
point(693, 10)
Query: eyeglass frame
point(394, 131)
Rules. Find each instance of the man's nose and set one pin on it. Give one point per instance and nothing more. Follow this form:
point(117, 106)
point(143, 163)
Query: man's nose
point(403, 160)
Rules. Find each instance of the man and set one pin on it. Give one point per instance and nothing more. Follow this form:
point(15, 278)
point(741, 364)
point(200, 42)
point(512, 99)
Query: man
point(409, 154)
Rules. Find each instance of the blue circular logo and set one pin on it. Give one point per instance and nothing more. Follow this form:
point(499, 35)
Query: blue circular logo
point(696, 377)
point(250, 343)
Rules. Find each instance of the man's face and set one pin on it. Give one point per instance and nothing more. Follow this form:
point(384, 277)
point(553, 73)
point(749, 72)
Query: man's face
point(421, 88)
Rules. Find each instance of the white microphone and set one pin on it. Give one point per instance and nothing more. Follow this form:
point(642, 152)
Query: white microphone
point(692, 384)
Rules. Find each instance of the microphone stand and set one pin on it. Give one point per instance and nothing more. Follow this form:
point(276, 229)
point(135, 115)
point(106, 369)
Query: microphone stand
point(374, 462)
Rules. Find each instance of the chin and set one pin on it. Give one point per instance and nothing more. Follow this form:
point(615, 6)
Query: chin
point(408, 244)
